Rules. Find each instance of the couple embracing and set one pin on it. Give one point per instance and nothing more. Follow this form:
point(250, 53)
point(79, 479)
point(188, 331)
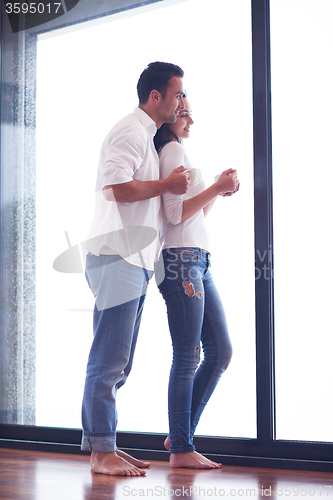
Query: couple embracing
point(148, 196)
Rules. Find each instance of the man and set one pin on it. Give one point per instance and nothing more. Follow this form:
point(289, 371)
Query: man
point(123, 246)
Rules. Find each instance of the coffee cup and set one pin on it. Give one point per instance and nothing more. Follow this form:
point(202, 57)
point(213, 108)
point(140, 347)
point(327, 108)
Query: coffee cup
point(216, 178)
point(194, 176)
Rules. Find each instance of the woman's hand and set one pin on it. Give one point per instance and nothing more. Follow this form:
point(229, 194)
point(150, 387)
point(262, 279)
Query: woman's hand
point(228, 182)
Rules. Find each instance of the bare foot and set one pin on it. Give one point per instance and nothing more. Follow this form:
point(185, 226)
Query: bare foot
point(132, 460)
point(113, 465)
point(167, 443)
point(192, 460)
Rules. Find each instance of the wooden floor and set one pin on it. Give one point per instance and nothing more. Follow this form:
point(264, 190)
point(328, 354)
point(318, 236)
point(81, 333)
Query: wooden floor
point(26, 475)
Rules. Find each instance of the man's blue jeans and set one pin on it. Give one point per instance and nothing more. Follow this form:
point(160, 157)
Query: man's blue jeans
point(119, 289)
point(196, 316)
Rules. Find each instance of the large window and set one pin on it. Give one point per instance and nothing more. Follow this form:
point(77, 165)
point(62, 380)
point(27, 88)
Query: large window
point(83, 87)
point(302, 106)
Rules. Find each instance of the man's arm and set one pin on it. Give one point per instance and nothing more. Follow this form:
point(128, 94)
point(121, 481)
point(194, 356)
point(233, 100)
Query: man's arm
point(132, 191)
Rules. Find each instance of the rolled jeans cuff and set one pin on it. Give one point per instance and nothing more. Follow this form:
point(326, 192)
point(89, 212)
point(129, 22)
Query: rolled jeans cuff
point(104, 444)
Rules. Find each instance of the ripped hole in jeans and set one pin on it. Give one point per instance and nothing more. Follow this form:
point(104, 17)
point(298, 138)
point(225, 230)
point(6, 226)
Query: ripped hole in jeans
point(190, 290)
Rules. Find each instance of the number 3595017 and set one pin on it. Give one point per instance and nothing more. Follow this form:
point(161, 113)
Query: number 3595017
point(32, 8)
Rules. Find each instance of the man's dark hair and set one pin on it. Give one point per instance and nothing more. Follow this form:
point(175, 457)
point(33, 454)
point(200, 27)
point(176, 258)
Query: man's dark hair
point(156, 76)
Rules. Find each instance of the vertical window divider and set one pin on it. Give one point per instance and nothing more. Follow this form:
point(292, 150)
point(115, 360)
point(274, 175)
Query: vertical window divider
point(263, 220)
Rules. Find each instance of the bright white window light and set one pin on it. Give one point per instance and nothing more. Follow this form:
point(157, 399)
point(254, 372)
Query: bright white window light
point(302, 109)
point(87, 79)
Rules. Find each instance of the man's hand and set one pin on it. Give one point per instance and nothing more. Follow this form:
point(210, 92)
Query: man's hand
point(177, 182)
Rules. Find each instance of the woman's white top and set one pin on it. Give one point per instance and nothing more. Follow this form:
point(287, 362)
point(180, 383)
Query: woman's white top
point(192, 232)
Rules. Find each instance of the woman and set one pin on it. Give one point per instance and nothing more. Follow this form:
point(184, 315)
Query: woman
point(195, 312)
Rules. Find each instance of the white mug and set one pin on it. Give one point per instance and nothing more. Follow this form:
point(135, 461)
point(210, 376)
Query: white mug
point(194, 176)
point(216, 178)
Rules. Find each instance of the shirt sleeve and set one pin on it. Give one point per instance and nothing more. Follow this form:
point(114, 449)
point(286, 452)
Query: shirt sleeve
point(172, 156)
point(124, 153)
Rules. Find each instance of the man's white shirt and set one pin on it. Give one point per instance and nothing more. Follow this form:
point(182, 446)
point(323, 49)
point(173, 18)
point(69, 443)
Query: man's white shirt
point(131, 229)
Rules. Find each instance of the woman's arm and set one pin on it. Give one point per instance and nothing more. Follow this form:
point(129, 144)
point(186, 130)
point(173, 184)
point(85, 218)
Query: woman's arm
point(171, 156)
point(208, 207)
point(177, 209)
point(226, 183)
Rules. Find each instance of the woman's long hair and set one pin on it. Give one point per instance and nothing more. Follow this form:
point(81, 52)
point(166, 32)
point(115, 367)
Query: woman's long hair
point(163, 136)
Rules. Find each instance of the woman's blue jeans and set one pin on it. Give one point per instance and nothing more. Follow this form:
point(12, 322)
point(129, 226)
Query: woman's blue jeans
point(119, 289)
point(196, 319)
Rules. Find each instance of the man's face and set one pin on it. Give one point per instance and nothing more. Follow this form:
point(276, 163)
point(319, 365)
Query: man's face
point(173, 101)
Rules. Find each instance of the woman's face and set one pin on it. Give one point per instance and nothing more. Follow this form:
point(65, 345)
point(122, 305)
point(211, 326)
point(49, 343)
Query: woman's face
point(181, 128)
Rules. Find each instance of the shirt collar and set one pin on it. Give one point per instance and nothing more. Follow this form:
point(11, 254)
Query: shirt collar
point(146, 121)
